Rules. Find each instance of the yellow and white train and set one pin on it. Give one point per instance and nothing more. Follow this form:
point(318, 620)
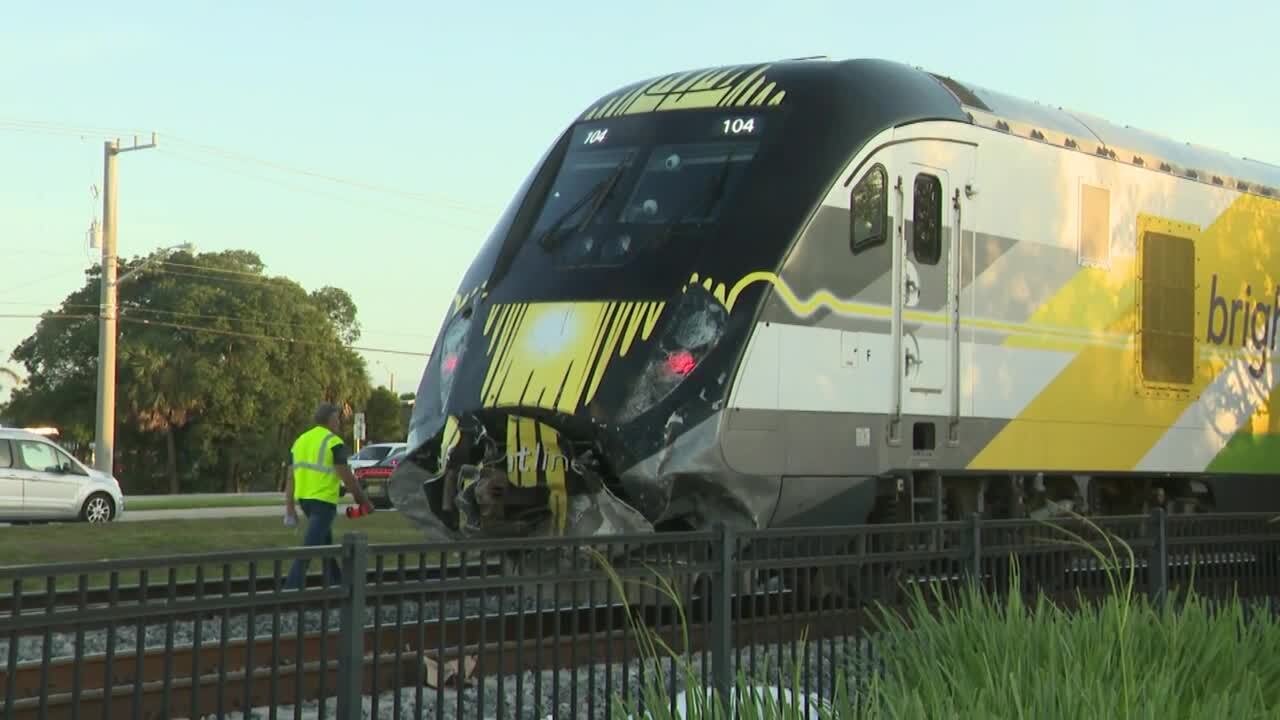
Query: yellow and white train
point(816, 292)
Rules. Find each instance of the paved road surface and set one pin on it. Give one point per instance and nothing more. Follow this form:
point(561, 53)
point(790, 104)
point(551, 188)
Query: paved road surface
point(269, 513)
point(200, 513)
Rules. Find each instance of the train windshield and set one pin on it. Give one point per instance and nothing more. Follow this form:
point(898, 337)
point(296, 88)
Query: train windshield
point(632, 185)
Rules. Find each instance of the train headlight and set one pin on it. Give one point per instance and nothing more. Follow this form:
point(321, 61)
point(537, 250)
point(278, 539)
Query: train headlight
point(692, 333)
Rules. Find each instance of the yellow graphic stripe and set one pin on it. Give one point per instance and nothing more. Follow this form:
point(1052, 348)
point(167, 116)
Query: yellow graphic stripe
point(463, 298)
point(449, 438)
point(558, 498)
point(1054, 431)
point(1091, 299)
point(534, 456)
point(1028, 335)
point(555, 355)
point(724, 87)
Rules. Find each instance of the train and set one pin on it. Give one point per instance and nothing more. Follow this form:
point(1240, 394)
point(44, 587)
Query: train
point(817, 292)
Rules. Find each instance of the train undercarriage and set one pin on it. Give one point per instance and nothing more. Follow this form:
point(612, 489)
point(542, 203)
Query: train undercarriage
point(931, 496)
point(480, 493)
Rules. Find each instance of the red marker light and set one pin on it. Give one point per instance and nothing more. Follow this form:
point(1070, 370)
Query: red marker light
point(450, 363)
point(681, 362)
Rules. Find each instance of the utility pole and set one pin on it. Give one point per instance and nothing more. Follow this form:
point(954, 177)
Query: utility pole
point(105, 433)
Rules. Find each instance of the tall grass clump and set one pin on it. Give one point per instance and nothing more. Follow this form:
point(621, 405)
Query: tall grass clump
point(749, 700)
point(1120, 657)
point(999, 656)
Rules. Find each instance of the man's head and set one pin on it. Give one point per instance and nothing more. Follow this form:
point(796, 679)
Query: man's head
point(329, 415)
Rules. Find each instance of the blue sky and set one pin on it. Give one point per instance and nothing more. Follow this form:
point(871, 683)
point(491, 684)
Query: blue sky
point(371, 145)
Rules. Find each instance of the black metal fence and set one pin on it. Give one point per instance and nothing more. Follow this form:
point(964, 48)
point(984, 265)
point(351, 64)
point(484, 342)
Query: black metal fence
point(548, 627)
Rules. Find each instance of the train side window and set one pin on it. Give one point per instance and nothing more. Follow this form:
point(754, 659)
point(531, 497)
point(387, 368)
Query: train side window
point(868, 210)
point(1168, 311)
point(926, 221)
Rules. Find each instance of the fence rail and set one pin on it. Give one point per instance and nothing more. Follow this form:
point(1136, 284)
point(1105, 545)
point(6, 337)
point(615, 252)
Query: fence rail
point(546, 627)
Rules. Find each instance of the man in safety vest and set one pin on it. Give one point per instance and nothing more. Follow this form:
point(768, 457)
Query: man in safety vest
point(317, 460)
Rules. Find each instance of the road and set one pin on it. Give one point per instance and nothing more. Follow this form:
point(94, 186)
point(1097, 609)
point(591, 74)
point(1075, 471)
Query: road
point(274, 511)
point(265, 511)
point(201, 513)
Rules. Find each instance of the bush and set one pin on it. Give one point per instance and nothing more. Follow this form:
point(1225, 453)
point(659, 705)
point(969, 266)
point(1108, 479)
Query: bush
point(1002, 657)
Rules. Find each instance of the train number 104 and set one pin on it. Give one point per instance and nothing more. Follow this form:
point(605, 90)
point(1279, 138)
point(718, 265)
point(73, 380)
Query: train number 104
point(739, 126)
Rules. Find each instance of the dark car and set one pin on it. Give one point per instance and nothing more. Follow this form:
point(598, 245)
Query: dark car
point(373, 479)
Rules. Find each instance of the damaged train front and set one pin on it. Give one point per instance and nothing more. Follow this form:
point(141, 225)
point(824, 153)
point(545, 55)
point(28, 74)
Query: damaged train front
point(557, 398)
point(588, 341)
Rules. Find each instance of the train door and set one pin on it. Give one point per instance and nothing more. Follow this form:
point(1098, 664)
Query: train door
point(927, 267)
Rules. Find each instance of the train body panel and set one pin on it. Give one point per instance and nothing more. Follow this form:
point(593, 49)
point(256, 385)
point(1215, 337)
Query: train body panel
point(1048, 336)
point(705, 304)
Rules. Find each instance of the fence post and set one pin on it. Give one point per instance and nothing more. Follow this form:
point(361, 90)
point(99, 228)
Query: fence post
point(721, 615)
point(975, 540)
point(355, 565)
point(1158, 560)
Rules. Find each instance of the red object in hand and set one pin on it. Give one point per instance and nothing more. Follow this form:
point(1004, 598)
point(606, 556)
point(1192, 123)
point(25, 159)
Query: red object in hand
point(359, 511)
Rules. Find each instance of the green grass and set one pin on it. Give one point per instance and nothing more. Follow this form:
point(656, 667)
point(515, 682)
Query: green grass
point(980, 656)
point(179, 502)
point(38, 544)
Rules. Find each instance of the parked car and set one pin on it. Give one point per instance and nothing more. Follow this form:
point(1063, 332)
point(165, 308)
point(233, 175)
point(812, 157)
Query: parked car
point(373, 454)
point(373, 478)
point(41, 481)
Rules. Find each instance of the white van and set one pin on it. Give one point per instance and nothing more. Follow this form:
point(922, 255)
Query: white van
point(41, 481)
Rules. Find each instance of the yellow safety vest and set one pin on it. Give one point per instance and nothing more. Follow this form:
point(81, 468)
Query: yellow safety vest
point(314, 476)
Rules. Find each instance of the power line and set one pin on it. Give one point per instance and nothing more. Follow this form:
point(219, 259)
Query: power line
point(133, 307)
point(230, 155)
point(258, 336)
point(282, 323)
point(44, 125)
point(251, 280)
point(46, 315)
point(226, 271)
point(315, 191)
point(39, 280)
point(193, 148)
point(213, 331)
point(204, 148)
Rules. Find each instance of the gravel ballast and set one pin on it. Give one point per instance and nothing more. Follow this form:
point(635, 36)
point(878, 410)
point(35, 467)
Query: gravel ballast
point(30, 647)
point(822, 659)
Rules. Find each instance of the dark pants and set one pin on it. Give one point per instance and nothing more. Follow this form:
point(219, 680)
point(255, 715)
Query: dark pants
point(320, 517)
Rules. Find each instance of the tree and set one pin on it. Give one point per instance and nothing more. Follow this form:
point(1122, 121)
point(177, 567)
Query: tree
point(382, 417)
point(219, 367)
point(9, 375)
point(341, 309)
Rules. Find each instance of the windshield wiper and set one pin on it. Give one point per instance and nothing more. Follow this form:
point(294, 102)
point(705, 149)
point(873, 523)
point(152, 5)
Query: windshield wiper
point(713, 194)
point(596, 195)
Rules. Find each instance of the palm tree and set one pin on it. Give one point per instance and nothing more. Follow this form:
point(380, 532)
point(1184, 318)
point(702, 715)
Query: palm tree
point(161, 396)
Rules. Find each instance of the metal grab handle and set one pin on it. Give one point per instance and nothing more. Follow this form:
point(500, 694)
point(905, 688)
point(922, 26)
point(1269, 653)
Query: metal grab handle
point(910, 360)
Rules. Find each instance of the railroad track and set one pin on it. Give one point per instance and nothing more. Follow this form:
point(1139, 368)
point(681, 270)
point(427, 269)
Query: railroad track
point(236, 675)
point(239, 674)
point(99, 596)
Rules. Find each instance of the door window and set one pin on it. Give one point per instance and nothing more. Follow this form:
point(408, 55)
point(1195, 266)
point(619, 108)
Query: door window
point(65, 460)
point(926, 221)
point(6, 455)
point(38, 456)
